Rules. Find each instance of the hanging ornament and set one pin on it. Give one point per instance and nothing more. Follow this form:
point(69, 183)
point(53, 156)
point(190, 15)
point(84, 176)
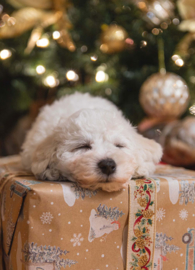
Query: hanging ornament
point(156, 11)
point(164, 95)
point(113, 39)
point(37, 15)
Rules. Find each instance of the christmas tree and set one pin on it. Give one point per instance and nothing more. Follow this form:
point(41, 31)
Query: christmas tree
point(52, 48)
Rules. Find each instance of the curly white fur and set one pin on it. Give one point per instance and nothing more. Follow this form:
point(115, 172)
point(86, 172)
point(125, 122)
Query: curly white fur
point(70, 137)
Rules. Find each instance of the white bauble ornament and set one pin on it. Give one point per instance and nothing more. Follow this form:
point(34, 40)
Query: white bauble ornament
point(164, 95)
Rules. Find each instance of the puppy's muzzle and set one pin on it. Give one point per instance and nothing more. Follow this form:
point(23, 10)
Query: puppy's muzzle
point(107, 166)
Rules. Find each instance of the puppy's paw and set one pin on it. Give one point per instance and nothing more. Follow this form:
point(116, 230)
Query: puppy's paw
point(148, 154)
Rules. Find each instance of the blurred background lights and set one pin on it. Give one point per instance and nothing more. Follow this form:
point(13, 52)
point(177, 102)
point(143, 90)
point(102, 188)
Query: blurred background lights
point(179, 62)
point(108, 91)
point(129, 41)
point(51, 81)
point(141, 5)
point(176, 21)
point(93, 58)
point(84, 48)
point(192, 109)
point(43, 42)
point(175, 57)
point(56, 35)
point(143, 44)
point(101, 76)
point(40, 69)
point(155, 31)
point(164, 25)
point(72, 76)
point(4, 54)
point(119, 35)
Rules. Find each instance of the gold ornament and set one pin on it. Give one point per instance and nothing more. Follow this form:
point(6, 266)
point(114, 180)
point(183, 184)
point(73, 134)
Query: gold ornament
point(164, 95)
point(138, 268)
point(142, 260)
point(37, 15)
point(113, 39)
point(148, 213)
point(140, 243)
point(155, 11)
point(138, 233)
point(142, 202)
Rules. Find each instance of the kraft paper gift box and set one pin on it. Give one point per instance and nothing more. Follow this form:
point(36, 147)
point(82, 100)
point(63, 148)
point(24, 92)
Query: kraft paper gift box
point(58, 225)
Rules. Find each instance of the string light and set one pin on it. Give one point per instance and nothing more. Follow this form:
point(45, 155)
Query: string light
point(72, 76)
point(56, 35)
point(143, 44)
point(101, 76)
point(51, 81)
point(4, 54)
point(179, 62)
point(177, 59)
point(40, 69)
point(43, 42)
point(94, 58)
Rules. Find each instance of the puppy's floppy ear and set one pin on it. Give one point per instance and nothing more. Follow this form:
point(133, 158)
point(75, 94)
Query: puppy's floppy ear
point(44, 160)
point(148, 154)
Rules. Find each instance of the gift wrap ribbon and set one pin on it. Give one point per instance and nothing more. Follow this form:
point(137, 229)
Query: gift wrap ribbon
point(141, 226)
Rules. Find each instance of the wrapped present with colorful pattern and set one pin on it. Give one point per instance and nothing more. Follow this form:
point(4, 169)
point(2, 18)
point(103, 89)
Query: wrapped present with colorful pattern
point(56, 225)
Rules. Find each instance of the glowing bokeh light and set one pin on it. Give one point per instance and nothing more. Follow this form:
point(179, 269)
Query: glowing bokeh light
point(43, 42)
point(51, 81)
point(40, 69)
point(101, 76)
point(4, 54)
point(56, 35)
point(72, 76)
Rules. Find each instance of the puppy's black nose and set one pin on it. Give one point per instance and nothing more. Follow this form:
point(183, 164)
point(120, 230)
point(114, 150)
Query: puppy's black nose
point(107, 166)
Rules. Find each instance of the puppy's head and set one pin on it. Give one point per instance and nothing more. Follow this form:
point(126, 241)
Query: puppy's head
point(95, 148)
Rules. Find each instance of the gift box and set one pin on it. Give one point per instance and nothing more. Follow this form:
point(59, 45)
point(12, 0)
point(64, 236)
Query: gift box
point(58, 225)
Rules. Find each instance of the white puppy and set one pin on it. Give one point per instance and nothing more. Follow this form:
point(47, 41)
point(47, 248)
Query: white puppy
point(87, 140)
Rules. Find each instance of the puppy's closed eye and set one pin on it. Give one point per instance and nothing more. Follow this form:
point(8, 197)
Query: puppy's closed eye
point(83, 146)
point(119, 145)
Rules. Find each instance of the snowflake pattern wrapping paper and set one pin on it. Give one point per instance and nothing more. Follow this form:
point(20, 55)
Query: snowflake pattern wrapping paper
point(58, 225)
